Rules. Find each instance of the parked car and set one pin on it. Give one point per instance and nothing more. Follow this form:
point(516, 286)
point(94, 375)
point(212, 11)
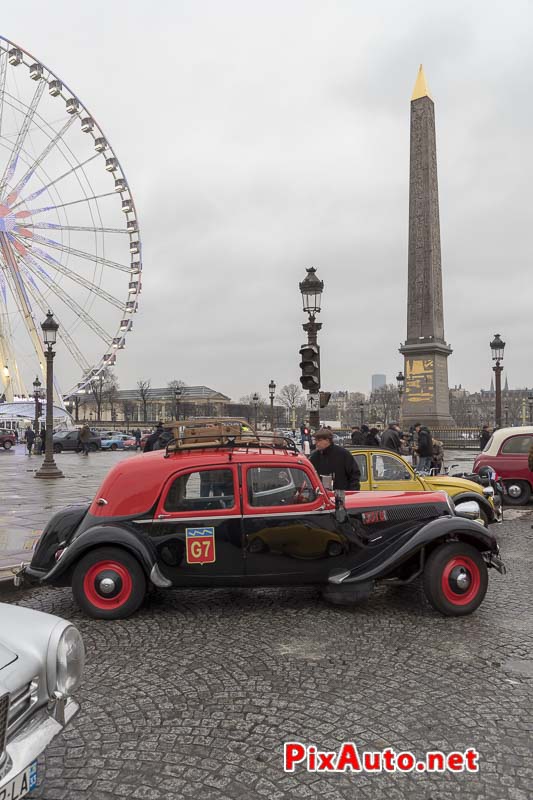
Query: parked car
point(387, 471)
point(115, 442)
point(41, 664)
point(130, 443)
point(7, 439)
point(68, 440)
point(252, 515)
point(506, 452)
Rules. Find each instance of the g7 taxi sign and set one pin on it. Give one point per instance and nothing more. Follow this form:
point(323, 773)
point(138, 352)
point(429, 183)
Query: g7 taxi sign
point(200, 545)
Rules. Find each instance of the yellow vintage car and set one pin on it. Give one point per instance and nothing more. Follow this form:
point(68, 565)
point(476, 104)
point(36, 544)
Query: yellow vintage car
point(385, 470)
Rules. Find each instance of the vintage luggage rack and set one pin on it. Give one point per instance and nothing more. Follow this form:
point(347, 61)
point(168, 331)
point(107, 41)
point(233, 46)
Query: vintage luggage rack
point(210, 433)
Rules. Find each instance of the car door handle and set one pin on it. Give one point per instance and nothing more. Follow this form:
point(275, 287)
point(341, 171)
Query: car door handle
point(164, 516)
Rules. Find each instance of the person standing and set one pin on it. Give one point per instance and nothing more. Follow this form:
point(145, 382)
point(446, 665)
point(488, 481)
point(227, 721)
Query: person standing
point(357, 435)
point(29, 438)
point(137, 435)
point(391, 438)
point(84, 438)
point(484, 437)
point(372, 438)
point(438, 456)
point(152, 439)
point(424, 447)
point(334, 464)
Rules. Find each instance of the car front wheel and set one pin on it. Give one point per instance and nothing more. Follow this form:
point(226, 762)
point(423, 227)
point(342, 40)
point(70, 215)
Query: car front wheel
point(57, 448)
point(8, 444)
point(518, 493)
point(93, 447)
point(455, 579)
point(108, 583)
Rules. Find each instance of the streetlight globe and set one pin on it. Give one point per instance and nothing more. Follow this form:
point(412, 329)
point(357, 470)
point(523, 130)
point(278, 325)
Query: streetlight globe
point(37, 383)
point(497, 346)
point(311, 288)
point(272, 388)
point(49, 328)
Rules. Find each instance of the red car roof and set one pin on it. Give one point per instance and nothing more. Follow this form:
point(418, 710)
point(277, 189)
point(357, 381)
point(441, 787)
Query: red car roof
point(133, 485)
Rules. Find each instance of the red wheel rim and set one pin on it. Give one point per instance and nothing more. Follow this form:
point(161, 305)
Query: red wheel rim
point(457, 569)
point(92, 579)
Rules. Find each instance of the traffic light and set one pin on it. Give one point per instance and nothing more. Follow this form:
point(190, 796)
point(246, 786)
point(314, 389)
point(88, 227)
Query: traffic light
point(324, 399)
point(310, 366)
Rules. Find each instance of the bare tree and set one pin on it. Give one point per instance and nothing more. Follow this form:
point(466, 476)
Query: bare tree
point(100, 386)
point(173, 385)
point(385, 403)
point(128, 408)
point(143, 393)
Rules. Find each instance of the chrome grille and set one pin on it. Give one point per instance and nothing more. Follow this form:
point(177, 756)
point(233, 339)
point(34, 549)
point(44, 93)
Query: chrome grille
point(4, 705)
point(20, 703)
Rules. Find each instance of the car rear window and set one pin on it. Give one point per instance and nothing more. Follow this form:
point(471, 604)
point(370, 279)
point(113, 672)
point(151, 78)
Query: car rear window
point(517, 445)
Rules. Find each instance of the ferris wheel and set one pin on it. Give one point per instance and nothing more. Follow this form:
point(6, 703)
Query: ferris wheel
point(69, 235)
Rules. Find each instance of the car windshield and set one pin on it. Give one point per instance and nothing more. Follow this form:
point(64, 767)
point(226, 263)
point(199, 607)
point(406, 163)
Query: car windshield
point(61, 434)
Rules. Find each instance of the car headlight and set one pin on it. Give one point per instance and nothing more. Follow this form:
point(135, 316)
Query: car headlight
point(70, 658)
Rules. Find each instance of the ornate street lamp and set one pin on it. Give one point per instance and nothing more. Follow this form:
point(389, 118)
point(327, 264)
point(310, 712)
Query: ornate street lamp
point(178, 392)
point(497, 347)
point(400, 382)
point(530, 404)
point(37, 398)
point(49, 467)
point(255, 401)
point(362, 412)
point(272, 392)
point(506, 409)
point(311, 289)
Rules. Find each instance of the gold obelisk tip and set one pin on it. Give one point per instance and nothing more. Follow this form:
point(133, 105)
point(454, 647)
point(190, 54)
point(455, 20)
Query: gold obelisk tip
point(421, 86)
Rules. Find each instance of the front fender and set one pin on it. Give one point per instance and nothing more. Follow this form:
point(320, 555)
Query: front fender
point(138, 544)
point(480, 499)
point(438, 529)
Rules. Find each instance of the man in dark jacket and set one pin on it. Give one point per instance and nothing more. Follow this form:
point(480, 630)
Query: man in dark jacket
point(391, 438)
point(424, 447)
point(152, 439)
point(484, 437)
point(331, 460)
point(357, 435)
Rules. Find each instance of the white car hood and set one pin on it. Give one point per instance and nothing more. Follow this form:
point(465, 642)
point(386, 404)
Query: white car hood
point(6, 656)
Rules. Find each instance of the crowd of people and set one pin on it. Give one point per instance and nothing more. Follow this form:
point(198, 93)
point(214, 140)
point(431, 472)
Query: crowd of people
point(426, 451)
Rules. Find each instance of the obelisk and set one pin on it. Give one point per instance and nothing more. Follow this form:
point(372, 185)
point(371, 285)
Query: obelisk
point(426, 395)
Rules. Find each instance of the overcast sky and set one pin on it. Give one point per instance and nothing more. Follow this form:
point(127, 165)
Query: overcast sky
point(263, 138)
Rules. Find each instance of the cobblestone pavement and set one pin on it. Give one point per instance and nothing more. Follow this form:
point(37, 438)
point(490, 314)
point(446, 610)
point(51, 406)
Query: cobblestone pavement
point(195, 695)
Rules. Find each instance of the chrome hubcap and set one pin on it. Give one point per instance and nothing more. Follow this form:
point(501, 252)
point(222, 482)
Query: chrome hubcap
point(107, 585)
point(462, 580)
point(514, 490)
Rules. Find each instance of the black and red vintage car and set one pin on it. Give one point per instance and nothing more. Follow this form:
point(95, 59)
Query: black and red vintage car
point(254, 515)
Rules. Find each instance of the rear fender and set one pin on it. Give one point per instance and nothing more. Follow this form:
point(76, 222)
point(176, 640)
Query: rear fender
point(137, 544)
point(433, 533)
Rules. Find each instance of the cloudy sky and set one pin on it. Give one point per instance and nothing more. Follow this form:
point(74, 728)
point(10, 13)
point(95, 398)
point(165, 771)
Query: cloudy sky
point(263, 138)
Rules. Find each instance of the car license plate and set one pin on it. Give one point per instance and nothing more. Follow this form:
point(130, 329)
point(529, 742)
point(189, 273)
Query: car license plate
point(21, 784)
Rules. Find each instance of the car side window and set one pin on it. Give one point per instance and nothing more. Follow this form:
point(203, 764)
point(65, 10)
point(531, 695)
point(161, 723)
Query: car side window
point(388, 468)
point(208, 490)
point(278, 486)
point(360, 460)
point(517, 445)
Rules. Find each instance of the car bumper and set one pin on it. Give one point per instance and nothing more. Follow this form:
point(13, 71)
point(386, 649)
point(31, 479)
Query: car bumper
point(33, 738)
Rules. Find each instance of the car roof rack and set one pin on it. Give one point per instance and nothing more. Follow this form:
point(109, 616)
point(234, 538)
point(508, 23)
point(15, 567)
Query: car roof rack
point(215, 433)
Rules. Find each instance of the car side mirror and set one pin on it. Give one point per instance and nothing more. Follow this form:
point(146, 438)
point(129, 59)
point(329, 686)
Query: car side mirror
point(469, 510)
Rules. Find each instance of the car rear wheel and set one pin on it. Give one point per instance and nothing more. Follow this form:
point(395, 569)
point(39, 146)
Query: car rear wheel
point(114, 447)
point(108, 583)
point(93, 447)
point(518, 493)
point(455, 579)
point(57, 448)
point(8, 444)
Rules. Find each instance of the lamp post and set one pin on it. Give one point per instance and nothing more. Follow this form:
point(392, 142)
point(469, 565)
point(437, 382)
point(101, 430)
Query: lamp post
point(400, 382)
point(37, 396)
point(49, 467)
point(255, 401)
point(272, 392)
point(506, 409)
point(362, 412)
point(530, 404)
point(177, 395)
point(311, 289)
point(497, 347)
